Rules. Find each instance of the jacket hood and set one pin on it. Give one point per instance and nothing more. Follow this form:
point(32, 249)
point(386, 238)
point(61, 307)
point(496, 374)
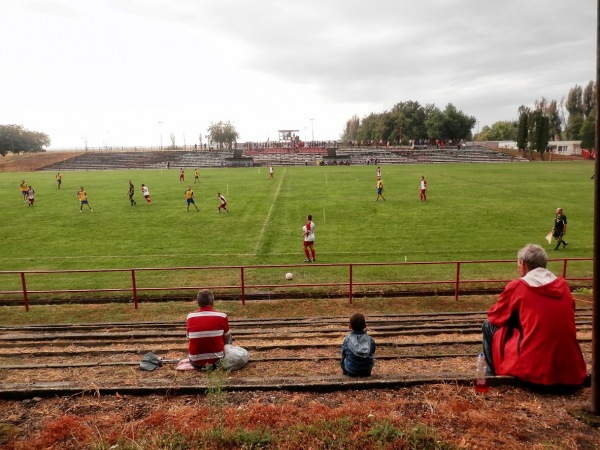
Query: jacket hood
point(359, 344)
point(545, 280)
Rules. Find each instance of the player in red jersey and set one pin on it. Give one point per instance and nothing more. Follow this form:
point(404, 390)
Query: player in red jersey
point(309, 239)
point(223, 203)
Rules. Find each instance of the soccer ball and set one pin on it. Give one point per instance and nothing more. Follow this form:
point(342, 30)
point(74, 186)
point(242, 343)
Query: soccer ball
point(289, 276)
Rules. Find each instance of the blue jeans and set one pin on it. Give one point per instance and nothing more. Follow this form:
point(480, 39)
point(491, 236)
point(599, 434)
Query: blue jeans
point(488, 334)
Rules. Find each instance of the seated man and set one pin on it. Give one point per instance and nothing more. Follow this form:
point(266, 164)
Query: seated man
point(207, 332)
point(530, 332)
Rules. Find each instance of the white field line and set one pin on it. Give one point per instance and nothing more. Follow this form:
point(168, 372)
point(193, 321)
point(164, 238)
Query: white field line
point(268, 219)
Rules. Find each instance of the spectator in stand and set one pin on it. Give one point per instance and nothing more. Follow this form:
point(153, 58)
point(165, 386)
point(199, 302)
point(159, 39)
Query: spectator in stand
point(358, 349)
point(207, 333)
point(530, 332)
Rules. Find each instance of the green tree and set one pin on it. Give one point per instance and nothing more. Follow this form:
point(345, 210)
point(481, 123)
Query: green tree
point(588, 102)
point(539, 132)
point(223, 134)
point(588, 132)
point(574, 124)
point(17, 139)
point(499, 131)
point(522, 131)
point(410, 122)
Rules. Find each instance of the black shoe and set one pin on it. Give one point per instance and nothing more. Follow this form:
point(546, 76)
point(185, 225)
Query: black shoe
point(564, 244)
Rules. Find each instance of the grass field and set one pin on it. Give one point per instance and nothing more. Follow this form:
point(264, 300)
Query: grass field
point(474, 211)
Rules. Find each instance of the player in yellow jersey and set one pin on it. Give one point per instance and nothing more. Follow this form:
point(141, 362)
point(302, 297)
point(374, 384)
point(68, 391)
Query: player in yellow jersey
point(24, 189)
point(189, 198)
point(83, 200)
point(379, 187)
point(58, 180)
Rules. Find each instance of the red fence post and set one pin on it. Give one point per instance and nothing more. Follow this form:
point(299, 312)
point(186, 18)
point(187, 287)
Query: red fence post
point(242, 286)
point(135, 299)
point(350, 282)
point(564, 271)
point(24, 291)
point(457, 283)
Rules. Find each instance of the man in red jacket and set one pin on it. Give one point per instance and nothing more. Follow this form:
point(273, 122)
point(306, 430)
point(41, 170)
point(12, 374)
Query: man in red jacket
point(530, 332)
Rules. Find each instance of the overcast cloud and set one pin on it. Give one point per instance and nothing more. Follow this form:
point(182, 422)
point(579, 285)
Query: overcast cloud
point(128, 72)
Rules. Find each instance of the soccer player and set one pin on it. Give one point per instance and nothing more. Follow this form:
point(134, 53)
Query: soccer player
point(58, 180)
point(30, 196)
point(309, 239)
point(379, 187)
point(146, 194)
point(270, 171)
point(423, 188)
point(181, 176)
point(223, 203)
point(560, 228)
point(196, 175)
point(24, 189)
point(189, 198)
point(83, 200)
point(130, 193)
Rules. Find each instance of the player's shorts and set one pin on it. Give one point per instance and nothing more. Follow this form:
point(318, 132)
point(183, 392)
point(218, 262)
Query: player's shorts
point(423, 191)
point(379, 191)
point(223, 205)
point(558, 233)
point(148, 199)
point(308, 243)
point(58, 181)
point(190, 201)
point(83, 202)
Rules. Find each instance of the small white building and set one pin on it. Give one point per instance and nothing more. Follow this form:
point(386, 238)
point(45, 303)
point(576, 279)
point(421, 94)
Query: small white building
point(557, 147)
point(565, 147)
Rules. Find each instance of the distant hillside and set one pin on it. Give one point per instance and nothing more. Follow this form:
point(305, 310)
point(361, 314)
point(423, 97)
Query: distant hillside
point(28, 162)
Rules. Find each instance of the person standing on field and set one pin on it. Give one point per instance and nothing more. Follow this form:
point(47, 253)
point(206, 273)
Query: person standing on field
point(130, 193)
point(83, 200)
point(309, 239)
point(423, 188)
point(196, 175)
point(146, 194)
point(379, 187)
point(223, 203)
point(560, 228)
point(189, 198)
point(181, 175)
point(58, 180)
point(270, 171)
point(24, 188)
point(30, 196)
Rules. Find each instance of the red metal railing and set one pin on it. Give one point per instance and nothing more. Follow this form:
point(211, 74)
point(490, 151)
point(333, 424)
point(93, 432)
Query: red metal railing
point(351, 283)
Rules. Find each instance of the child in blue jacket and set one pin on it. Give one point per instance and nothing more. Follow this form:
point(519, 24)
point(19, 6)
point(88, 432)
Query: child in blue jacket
point(358, 349)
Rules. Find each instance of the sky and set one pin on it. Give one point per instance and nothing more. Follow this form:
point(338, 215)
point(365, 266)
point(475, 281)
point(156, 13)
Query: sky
point(136, 72)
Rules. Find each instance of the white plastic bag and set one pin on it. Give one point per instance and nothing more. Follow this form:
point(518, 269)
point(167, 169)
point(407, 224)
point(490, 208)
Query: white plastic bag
point(235, 357)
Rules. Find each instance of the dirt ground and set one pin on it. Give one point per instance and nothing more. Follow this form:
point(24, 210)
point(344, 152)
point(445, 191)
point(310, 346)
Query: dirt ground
point(504, 417)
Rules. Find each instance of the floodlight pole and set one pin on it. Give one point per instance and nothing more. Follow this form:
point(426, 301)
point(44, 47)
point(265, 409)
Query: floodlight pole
point(595, 397)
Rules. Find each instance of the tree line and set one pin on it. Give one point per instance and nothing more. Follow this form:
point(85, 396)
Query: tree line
point(16, 139)
point(572, 119)
point(410, 121)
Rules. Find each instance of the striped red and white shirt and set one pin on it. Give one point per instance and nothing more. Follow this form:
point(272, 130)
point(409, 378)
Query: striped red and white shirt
point(207, 332)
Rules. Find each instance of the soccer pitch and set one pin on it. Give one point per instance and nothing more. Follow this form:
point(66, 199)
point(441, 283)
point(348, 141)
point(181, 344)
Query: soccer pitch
point(474, 211)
